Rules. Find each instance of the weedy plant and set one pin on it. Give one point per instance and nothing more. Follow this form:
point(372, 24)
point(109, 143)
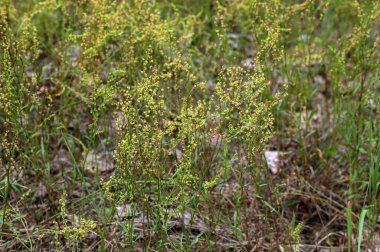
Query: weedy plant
point(142, 125)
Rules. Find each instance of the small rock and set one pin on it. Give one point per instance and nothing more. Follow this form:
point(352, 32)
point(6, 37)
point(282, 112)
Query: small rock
point(273, 160)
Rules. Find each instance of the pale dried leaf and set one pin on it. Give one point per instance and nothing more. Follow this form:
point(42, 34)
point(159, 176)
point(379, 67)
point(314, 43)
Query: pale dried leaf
point(124, 211)
point(102, 162)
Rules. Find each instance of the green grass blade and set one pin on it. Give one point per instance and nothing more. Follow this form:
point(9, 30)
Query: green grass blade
point(361, 227)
